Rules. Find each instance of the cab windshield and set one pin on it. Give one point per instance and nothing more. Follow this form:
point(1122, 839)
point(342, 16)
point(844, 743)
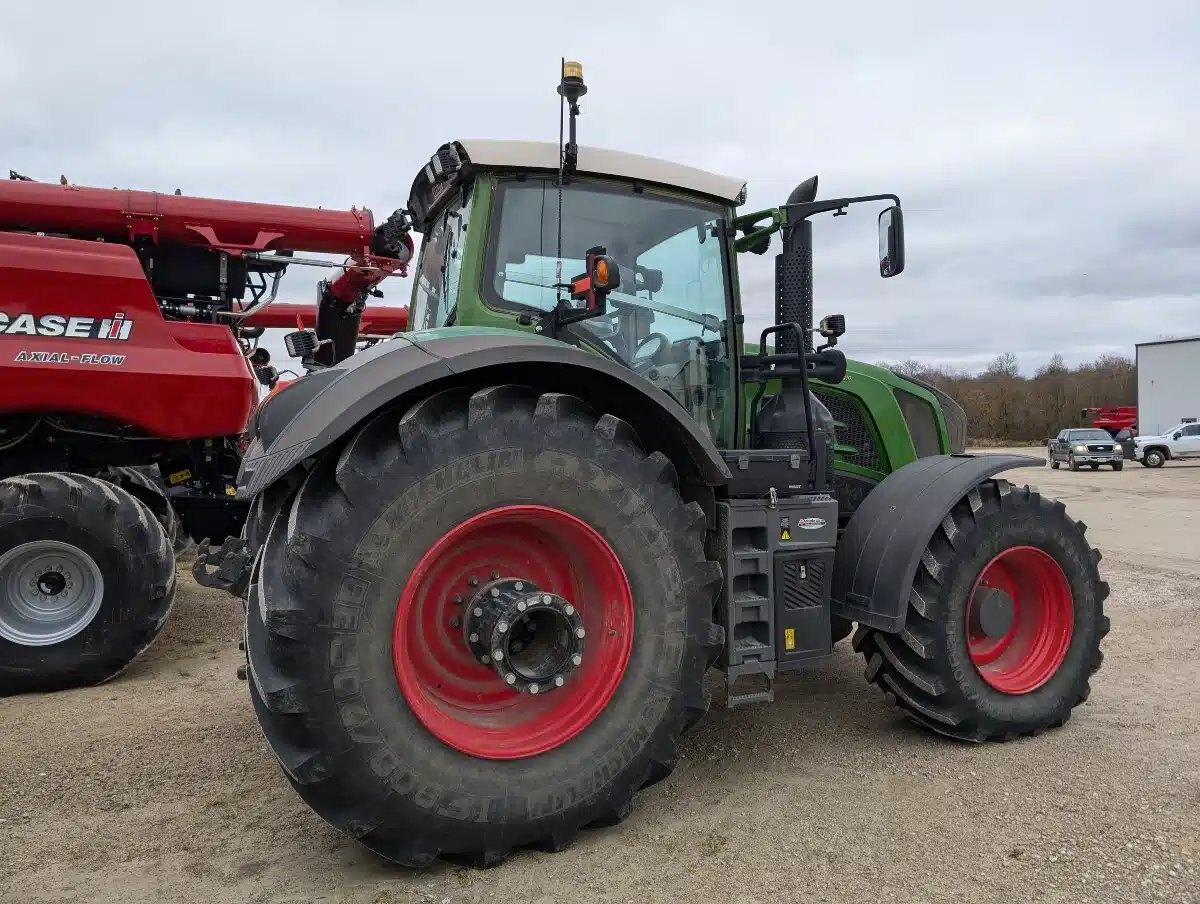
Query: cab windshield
point(666, 320)
point(1090, 436)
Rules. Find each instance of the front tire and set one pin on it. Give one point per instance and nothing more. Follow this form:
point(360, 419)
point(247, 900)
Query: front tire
point(86, 581)
point(386, 721)
point(951, 671)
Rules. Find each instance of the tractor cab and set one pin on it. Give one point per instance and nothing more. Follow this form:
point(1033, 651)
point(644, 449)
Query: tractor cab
point(508, 245)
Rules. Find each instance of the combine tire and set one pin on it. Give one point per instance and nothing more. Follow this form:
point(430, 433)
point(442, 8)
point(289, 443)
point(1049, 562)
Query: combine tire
point(143, 484)
point(483, 625)
point(86, 581)
point(1004, 620)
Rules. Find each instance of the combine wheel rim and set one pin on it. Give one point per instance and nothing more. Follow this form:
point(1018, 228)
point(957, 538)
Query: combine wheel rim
point(49, 592)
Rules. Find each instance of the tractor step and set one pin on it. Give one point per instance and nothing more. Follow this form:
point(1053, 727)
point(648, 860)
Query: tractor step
point(753, 682)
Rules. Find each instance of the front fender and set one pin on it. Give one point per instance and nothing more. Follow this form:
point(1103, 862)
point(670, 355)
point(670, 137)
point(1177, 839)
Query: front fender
point(316, 411)
point(878, 554)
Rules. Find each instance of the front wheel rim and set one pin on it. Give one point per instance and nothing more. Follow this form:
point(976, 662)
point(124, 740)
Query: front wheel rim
point(1020, 646)
point(463, 700)
point(49, 592)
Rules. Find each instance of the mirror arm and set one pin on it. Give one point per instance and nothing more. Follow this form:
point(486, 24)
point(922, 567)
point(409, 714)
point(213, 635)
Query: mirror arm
point(793, 213)
point(751, 238)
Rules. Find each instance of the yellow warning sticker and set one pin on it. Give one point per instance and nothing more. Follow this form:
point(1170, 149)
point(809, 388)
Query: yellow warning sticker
point(789, 638)
point(178, 477)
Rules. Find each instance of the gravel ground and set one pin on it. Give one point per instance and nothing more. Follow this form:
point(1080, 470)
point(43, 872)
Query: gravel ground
point(158, 786)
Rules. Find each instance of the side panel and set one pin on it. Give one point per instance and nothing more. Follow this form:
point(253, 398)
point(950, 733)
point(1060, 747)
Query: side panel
point(878, 555)
point(81, 333)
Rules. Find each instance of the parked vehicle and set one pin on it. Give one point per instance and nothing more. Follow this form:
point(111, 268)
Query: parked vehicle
point(1181, 441)
point(494, 557)
point(1111, 418)
point(1084, 446)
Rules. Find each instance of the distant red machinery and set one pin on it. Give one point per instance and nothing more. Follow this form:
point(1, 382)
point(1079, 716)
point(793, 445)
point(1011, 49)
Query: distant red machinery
point(129, 328)
point(1113, 418)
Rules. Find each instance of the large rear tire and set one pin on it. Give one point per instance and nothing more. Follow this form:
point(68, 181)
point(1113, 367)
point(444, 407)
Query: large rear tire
point(1007, 556)
point(385, 720)
point(86, 581)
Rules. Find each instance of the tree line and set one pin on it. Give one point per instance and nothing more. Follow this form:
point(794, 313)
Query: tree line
point(1002, 404)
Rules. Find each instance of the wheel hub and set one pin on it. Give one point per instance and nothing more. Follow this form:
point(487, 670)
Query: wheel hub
point(49, 592)
point(994, 612)
point(533, 640)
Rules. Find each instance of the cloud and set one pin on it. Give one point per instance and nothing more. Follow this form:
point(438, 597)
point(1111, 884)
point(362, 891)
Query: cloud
point(1044, 152)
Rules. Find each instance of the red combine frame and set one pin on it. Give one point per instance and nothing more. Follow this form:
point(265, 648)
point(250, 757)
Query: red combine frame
point(1113, 418)
point(129, 369)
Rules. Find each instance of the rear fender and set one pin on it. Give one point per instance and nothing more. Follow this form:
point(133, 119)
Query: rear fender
point(878, 554)
point(316, 412)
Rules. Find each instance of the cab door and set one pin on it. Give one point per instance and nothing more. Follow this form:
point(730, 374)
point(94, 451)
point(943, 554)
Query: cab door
point(1188, 444)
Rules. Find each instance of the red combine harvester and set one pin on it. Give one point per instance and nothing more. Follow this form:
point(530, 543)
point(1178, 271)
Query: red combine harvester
point(129, 369)
point(1113, 418)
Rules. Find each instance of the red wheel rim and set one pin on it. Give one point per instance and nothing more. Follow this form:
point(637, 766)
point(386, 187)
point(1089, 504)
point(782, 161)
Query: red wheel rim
point(1030, 651)
point(464, 702)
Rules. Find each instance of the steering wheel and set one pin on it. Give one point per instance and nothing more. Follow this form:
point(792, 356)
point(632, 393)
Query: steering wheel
point(649, 349)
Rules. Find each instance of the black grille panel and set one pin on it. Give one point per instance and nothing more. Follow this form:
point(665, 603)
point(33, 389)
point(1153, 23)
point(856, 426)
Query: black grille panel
point(851, 429)
point(802, 583)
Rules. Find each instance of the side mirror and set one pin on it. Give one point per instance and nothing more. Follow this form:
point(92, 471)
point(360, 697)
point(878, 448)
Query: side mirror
point(891, 242)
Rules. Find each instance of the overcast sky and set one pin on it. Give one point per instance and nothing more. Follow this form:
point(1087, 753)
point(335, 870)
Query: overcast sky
point(1046, 153)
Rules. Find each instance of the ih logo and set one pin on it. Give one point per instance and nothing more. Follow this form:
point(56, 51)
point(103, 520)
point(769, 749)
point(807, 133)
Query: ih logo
point(54, 325)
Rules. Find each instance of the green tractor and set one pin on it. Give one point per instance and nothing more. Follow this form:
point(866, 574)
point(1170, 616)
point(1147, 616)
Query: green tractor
point(493, 559)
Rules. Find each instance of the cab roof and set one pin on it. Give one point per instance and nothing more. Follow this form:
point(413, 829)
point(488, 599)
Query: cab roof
point(457, 156)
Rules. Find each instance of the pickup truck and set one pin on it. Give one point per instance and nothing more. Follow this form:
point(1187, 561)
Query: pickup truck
point(1084, 446)
point(1181, 441)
